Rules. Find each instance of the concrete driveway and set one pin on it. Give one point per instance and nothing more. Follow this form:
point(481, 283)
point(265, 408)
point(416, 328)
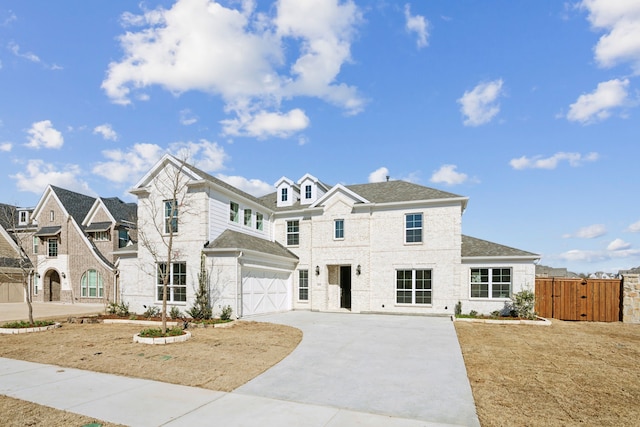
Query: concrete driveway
point(401, 366)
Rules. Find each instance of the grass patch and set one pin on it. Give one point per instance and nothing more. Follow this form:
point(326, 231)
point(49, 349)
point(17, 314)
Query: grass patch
point(20, 324)
point(157, 332)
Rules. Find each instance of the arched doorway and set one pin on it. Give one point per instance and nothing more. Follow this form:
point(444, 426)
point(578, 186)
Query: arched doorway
point(52, 286)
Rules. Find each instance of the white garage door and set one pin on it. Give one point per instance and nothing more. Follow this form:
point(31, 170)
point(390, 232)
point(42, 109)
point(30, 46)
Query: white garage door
point(265, 292)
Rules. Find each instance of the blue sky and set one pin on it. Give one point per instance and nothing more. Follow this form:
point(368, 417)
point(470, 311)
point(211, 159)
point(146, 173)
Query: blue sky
point(531, 109)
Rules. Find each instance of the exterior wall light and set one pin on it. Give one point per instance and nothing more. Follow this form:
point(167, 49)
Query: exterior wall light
point(64, 276)
point(358, 270)
point(317, 270)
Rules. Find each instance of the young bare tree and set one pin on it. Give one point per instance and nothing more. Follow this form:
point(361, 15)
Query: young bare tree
point(16, 265)
point(164, 212)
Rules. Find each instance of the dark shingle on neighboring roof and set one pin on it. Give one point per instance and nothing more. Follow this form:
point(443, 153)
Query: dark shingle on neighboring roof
point(235, 240)
point(120, 210)
point(8, 216)
point(98, 226)
point(473, 247)
point(76, 204)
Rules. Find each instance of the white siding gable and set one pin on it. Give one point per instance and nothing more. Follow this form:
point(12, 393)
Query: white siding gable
point(310, 189)
point(288, 192)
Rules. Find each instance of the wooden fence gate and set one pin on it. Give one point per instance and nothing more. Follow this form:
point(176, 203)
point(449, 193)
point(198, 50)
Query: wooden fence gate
point(595, 300)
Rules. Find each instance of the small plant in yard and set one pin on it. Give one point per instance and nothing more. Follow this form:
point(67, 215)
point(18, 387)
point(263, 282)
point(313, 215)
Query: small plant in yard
point(226, 313)
point(473, 313)
point(495, 313)
point(523, 304)
point(458, 309)
point(119, 309)
point(152, 311)
point(175, 313)
point(24, 324)
point(157, 332)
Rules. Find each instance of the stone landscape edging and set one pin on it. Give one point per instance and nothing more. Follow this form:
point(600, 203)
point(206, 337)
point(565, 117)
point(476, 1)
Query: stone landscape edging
point(138, 322)
point(541, 321)
point(162, 340)
point(28, 330)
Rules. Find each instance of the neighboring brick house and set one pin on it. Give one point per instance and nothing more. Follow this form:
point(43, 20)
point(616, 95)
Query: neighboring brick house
point(15, 267)
point(392, 247)
point(72, 247)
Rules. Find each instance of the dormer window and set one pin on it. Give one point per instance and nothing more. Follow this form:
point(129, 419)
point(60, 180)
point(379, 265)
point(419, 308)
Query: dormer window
point(23, 217)
point(307, 192)
point(284, 194)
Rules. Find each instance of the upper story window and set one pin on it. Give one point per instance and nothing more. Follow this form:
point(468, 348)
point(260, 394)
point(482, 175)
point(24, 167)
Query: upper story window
point(413, 228)
point(284, 194)
point(23, 217)
point(52, 247)
point(101, 236)
point(123, 237)
point(234, 212)
point(52, 216)
point(259, 221)
point(171, 216)
point(36, 242)
point(490, 282)
point(338, 229)
point(247, 217)
point(293, 233)
point(307, 192)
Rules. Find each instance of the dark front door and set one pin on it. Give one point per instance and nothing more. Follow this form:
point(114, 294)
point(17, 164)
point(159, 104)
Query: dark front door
point(345, 286)
point(53, 286)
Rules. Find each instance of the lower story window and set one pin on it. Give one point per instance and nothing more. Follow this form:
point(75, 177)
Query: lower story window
point(91, 284)
point(413, 286)
point(490, 282)
point(303, 285)
point(176, 278)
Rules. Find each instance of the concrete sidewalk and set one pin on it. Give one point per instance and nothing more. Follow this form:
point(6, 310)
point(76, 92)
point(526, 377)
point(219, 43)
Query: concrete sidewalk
point(136, 402)
point(14, 311)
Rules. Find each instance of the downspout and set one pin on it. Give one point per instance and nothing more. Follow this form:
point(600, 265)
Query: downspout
point(116, 276)
point(238, 287)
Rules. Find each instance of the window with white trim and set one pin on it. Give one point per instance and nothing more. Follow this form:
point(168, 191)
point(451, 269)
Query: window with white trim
point(293, 233)
point(52, 216)
point(91, 284)
point(101, 236)
point(177, 281)
point(307, 192)
point(413, 228)
point(36, 242)
point(284, 194)
point(52, 247)
point(171, 216)
point(247, 217)
point(491, 283)
point(338, 229)
point(24, 217)
point(234, 212)
point(259, 221)
point(303, 285)
point(413, 287)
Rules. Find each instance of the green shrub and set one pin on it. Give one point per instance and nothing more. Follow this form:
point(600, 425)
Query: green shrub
point(523, 304)
point(157, 332)
point(119, 309)
point(226, 313)
point(473, 313)
point(458, 309)
point(152, 311)
point(175, 313)
point(495, 313)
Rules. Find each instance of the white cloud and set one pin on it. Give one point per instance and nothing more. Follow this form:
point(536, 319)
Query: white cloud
point(43, 134)
point(447, 174)
point(206, 155)
point(598, 256)
point(8, 18)
point(265, 124)
point(597, 106)
point(187, 118)
point(106, 131)
point(620, 19)
point(127, 166)
point(479, 105)
point(417, 24)
point(194, 45)
point(39, 174)
point(538, 162)
point(589, 232)
point(6, 146)
point(379, 175)
point(29, 56)
point(254, 187)
point(634, 228)
point(618, 245)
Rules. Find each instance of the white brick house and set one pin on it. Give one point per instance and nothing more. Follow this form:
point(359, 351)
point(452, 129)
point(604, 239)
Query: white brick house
point(392, 247)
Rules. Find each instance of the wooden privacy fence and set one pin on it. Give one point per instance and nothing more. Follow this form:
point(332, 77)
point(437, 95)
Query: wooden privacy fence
point(595, 300)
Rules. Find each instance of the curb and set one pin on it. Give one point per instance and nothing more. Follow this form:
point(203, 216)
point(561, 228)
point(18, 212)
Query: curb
point(540, 322)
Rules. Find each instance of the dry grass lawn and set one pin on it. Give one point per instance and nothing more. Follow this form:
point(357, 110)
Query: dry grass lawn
point(570, 373)
point(214, 358)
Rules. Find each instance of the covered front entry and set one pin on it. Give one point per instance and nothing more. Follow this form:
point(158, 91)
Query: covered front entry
point(51, 286)
point(265, 291)
point(345, 286)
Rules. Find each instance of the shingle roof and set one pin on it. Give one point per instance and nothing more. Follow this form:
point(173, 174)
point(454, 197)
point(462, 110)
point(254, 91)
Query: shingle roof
point(235, 240)
point(378, 192)
point(76, 204)
point(120, 210)
point(8, 216)
point(473, 247)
